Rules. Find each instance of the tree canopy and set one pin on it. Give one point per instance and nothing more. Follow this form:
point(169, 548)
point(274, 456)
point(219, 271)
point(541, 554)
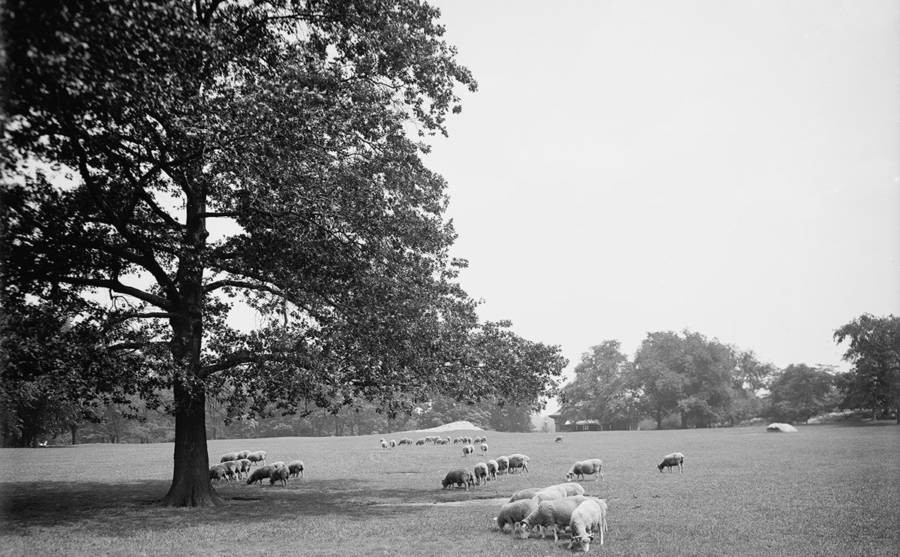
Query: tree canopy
point(874, 351)
point(187, 156)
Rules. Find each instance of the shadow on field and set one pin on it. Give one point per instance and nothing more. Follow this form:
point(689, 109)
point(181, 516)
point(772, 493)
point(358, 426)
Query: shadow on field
point(125, 507)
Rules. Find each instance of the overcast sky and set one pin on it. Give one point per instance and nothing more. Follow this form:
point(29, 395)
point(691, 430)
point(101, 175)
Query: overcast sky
point(730, 167)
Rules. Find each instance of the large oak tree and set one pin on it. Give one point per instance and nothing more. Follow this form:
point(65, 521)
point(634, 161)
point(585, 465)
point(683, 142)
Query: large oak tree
point(187, 155)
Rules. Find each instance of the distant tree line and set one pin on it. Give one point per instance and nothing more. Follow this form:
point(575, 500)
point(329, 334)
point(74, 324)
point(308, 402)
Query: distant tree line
point(688, 380)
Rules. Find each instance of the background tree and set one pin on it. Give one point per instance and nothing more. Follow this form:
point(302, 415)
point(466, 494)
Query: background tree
point(801, 392)
point(603, 389)
point(254, 152)
point(874, 351)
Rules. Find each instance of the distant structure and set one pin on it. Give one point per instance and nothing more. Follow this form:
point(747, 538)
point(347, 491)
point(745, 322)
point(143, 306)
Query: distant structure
point(574, 425)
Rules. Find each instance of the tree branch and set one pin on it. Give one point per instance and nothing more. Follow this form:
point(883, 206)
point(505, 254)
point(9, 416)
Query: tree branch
point(117, 286)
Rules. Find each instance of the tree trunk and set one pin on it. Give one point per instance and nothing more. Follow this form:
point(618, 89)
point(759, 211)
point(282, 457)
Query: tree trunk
point(190, 479)
point(74, 430)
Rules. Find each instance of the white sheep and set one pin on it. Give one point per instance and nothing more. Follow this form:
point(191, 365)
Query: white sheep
point(527, 493)
point(218, 472)
point(549, 514)
point(245, 468)
point(513, 512)
point(590, 516)
point(468, 449)
point(518, 462)
point(384, 444)
point(228, 457)
point(484, 448)
point(492, 469)
point(295, 468)
point(393, 443)
point(257, 456)
point(480, 472)
point(559, 491)
point(279, 475)
point(586, 467)
point(502, 464)
point(671, 460)
point(260, 474)
point(278, 464)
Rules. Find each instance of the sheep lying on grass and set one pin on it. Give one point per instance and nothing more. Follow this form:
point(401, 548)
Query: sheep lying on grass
point(279, 475)
point(589, 516)
point(260, 474)
point(586, 467)
point(559, 491)
point(295, 468)
point(526, 493)
point(670, 461)
point(549, 514)
point(513, 512)
point(458, 477)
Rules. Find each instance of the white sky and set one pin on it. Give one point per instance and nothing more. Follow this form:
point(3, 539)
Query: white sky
point(731, 167)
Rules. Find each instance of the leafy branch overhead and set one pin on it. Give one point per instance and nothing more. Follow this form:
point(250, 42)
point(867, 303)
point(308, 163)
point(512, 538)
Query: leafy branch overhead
point(263, 153)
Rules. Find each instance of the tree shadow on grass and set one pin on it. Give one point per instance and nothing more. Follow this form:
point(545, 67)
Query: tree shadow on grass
point(121, 508)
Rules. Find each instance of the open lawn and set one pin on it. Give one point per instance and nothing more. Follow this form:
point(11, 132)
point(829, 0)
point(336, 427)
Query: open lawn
point(827, 490)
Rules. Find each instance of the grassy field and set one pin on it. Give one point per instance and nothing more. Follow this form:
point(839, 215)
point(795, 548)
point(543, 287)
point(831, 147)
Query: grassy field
point(827, 490)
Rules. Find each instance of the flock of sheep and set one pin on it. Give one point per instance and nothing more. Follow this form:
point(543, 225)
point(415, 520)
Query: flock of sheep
point(434, 440)
point(557, 507)
point(237, 466)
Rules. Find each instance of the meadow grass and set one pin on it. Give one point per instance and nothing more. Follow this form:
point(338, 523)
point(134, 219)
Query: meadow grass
point(827, 490)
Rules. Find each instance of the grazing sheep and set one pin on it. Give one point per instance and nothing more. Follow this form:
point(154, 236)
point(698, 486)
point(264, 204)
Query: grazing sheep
point(559, 491)
point(232, 468)
point(384, 444)
point(484, 448)
point(295, 468)
point(420, 442)
point(279, 475)
point(468, 449)
point(527, 493)
point(558, 440)
point(242, 455)
point(458, 477)
point(406, 441)
point(257, 456)
point(671, 460)
point(585, 467)
point(228, 457)
point(518, 462)
point(492, 469)
point(589, 516)
point(502, 464)
point(245, 468)
point(260, 474)
point(393, 443)
point(513, 512)
point(549, 514)
point(218, 472)
point(480, 473)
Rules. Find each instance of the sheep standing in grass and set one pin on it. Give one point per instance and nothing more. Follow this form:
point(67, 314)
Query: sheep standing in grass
point(232, 468)
point(492, 469)
point(393, 443)
point(278, 464)
point(484, 448)
point(518, 462)
point(218, 472)
point(502, 464)
point(549, 514)
point(481, 473)
point(242, 455)
point(257, 456)
point(295, 468)
point(558, 440)
point(458, 477)
point(245, 468)
point(672, 460)
point(279, 475)
point(260, 474)
point(513, 512)
point(384, 444)
point(228, 457)
point(588, 517)
point(586, 467)
point(468, 449)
